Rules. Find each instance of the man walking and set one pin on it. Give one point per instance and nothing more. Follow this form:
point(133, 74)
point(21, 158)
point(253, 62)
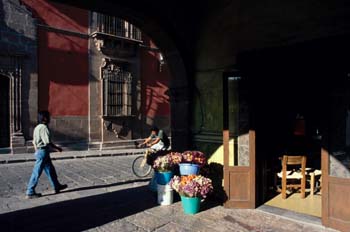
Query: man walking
point(42, 145)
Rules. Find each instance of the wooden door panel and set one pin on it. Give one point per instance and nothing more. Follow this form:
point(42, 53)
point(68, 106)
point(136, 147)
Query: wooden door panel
point(340, 189)
point(239, 181)
point(338, 203)
point(335, 198)
point(241, 193)
point(239, 158)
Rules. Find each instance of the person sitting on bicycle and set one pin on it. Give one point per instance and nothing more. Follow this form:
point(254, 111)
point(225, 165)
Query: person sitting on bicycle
point(157, 140)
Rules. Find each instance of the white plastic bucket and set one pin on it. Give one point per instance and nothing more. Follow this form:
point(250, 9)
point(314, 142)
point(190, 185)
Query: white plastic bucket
point(165, 194)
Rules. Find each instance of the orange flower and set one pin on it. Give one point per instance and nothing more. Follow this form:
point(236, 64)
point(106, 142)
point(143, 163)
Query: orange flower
point(186, 179)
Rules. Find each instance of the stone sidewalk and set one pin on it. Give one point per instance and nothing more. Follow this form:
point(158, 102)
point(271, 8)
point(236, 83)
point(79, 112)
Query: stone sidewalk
point(133, 207)
point(124, 205)
point(29, 157)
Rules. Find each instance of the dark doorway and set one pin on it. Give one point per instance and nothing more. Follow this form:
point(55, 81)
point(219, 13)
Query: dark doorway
point(4, 112)
point(289, 89)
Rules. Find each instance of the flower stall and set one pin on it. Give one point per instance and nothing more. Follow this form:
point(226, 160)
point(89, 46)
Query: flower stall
point(191, 162)
point(163, 166)
point(192, 189)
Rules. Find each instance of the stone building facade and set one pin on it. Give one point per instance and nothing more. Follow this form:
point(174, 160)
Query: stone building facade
point(18, 75)
point(85, 68)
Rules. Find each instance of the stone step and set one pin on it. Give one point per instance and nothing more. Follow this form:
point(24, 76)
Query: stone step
point(77, 146)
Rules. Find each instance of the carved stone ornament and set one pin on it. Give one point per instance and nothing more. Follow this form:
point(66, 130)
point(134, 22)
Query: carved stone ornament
point(115, 46)
point(98, 43)
point(109, 66)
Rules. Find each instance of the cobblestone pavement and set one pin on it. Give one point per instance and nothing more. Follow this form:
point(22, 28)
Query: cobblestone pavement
point(104, 195)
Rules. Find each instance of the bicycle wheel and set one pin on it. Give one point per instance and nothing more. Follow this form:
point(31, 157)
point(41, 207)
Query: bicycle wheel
point(140, 168)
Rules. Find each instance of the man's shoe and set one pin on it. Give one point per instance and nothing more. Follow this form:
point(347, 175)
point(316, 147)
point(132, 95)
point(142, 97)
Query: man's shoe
point(32, 196)
point(60, 187)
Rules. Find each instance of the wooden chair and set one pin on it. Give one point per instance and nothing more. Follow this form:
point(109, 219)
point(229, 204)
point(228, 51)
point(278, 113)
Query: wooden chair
point(293, 168)
point(316, 174)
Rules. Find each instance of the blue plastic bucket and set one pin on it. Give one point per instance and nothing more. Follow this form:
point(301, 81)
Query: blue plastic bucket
point(188, 169)
point(163, 178)
point(190, 205)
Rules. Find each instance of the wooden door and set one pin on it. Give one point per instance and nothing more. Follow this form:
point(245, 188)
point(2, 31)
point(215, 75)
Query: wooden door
point(336, 162)
point(335, 197)
point(239, 145)
point(4, 112)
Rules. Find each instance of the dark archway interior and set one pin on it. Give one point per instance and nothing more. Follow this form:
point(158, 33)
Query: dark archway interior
point(4, 112)
point(290, 86)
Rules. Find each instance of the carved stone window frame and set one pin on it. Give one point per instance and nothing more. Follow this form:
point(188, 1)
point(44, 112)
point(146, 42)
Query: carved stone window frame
point(109, 65)
point(11, 66)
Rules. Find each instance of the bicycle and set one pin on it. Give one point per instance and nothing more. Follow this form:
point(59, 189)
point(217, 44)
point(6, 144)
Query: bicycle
point(140, 167)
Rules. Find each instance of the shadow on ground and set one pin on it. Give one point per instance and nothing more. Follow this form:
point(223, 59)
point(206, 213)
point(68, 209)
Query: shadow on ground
point(102, 186)
point(80, 214)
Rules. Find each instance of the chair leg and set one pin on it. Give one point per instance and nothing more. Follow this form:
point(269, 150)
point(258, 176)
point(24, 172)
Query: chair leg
point(312, 184)
point(284, 188)
point(303, 187)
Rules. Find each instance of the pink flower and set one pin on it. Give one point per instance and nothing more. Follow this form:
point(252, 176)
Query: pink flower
point(192, 185)
point(163, 163)
point(194, 157)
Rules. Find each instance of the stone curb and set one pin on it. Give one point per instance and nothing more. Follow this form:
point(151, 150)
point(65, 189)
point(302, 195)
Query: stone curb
point(82, 156)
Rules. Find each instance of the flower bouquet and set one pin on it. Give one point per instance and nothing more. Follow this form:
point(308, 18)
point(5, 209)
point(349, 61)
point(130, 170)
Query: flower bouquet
point(163, 166)
point(192, 185)
point(191, 162)
point(192, 189)
point(176, 157)
point(163, 163)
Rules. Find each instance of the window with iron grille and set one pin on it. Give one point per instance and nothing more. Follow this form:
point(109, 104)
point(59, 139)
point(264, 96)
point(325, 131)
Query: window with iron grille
point(115, 26)
point(117, 91)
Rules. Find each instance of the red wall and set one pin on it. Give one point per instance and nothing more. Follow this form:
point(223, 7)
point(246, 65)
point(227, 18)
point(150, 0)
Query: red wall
point(155, 96)
point(63, 58)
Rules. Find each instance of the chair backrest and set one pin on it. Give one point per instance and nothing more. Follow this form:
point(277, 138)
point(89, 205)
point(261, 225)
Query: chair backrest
point(294, 160)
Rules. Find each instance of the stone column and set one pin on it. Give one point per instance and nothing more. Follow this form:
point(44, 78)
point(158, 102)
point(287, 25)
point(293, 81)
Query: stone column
point(11, 66)
point(179, 102)
point(17, 138)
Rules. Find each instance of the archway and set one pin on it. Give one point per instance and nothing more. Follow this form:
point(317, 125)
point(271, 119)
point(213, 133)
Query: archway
point(179, 84)
point(4, 111)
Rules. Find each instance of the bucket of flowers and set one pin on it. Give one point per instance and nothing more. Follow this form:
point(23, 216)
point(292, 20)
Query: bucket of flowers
point(192, 189)
point(191, 162)
point(163, 166)
point(176, 157)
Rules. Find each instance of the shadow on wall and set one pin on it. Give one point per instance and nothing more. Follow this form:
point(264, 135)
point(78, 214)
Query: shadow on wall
point(62, 57)
point(120, 127)
point(71, 141)
point(58, 14)
point(155, 104)
point(67, 142)
point(214, 170)
point(63, 75)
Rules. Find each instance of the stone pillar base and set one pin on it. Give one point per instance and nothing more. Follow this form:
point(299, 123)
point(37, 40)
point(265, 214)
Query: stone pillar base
point(18, 144)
